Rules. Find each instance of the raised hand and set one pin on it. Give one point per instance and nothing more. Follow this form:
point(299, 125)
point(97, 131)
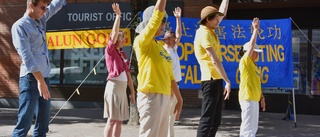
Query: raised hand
point(177, 12)
point(116, 8)
point(256, 23)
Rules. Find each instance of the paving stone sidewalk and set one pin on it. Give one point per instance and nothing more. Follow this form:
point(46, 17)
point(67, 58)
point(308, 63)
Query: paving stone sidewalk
point(88, 122)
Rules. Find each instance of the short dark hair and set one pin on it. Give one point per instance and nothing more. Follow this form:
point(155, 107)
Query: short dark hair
point(210, 17)
point(36, 2)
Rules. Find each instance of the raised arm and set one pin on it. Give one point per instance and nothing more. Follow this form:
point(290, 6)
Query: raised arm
point(53, 8)
point(177, 14)
point(223, 9)
point(116, 24)
point(160, 5)
point(148, 28)
point(255, 24)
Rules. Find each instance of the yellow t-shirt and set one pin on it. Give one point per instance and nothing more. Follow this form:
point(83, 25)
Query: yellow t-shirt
point(250, 84)
point(206, 38)
point(154, 63)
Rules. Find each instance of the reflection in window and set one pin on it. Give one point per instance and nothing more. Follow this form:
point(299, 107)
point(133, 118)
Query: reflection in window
point(299, 57)
point(78, 63)
point(315, 75)
point(54, 57)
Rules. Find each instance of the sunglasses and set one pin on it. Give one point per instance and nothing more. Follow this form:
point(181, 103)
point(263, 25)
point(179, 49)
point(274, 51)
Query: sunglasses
point(44, 8)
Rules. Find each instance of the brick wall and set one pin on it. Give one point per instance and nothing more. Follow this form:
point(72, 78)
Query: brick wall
point(190, 98)
point(10, 11)
point(194, 7)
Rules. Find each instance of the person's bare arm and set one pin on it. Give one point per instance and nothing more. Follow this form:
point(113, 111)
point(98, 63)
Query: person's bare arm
point(253, 39)
point(223, 9)
point(177, 14)
point(130, 84)
point(218, 66)
point(263, 102)
point(42, 85)
point(160, 5)
point(176, 92)
point(116, 24)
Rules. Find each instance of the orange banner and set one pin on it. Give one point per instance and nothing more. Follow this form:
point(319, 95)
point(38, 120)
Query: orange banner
point(82, 39)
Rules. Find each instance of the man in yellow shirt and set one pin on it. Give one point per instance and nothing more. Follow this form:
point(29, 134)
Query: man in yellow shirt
point(155, 78)
point(250, 86)
point(208, 51)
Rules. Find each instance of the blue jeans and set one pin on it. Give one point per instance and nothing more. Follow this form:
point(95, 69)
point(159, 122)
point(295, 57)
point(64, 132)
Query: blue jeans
point(212, 101)
point(32, 105)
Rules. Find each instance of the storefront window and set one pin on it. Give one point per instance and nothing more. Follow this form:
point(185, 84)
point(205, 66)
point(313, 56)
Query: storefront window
point(300, 56)
point(54, 57)
point(315, 75)
point(78, 63)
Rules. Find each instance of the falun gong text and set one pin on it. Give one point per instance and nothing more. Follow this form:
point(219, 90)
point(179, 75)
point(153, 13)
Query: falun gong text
point(84, 49)
point(272, 53)
point(275, 62)
point(82, 39)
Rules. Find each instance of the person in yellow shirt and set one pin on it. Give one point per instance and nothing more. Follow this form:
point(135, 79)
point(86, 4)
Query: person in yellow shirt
point(155, 78)
point(208, 52)
point(250, 92)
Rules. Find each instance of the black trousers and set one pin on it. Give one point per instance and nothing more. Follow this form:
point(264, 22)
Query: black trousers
point(211, 108)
